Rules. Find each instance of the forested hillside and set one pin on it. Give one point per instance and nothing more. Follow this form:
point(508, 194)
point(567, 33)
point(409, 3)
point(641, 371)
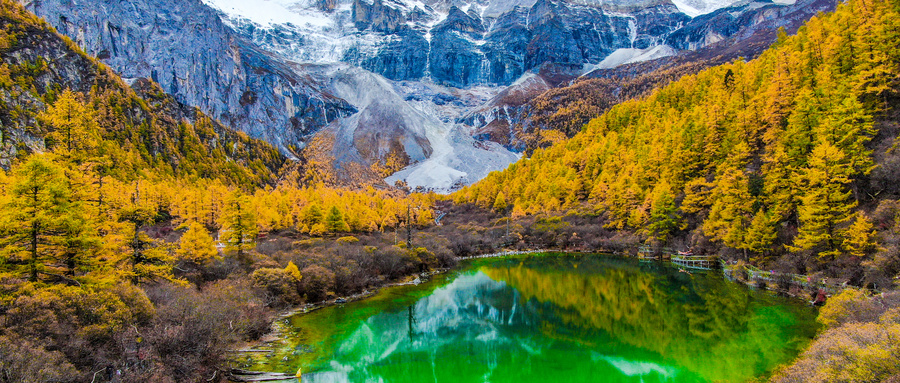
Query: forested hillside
point(129, 132)
point(791, 153)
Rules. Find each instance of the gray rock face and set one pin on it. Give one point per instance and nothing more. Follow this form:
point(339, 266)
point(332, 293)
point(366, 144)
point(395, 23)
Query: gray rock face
point(377, 17)
point(244, 70)
point(185, 47)
point(468, 49)
point(745, 19)
point(472, 48)
point(455, 58)
point(405, 56)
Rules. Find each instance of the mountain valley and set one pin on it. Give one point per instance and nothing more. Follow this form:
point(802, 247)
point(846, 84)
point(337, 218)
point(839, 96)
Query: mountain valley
point(478, 190)
point(429, 94)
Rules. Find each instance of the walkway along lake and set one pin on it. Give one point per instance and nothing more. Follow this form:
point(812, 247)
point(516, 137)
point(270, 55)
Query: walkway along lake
point(547, 317)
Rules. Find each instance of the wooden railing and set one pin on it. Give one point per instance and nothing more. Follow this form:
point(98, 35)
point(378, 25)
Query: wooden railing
point(700, 262)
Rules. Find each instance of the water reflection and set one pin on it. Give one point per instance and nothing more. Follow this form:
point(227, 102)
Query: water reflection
point(569, 319)
point(700, 322)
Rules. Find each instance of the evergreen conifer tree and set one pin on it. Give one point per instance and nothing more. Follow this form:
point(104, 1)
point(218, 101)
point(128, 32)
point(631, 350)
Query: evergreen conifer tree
point(38, 203)
point(238, 222)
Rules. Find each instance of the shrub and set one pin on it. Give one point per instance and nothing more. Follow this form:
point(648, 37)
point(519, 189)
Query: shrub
point(347, 240)
point(279, 285)
point(193, 329)
point(23, 361)
point(850, 306)
point(855, 352)
point(861, 344)
point(317, 281)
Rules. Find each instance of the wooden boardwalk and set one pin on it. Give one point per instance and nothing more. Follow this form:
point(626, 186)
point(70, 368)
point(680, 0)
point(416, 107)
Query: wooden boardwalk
point(705, 263)
point(697, 262)
point(830, 285)
point(687, 261)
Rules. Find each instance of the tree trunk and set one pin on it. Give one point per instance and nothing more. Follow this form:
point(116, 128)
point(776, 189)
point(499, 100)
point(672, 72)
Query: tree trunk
point(34, 252)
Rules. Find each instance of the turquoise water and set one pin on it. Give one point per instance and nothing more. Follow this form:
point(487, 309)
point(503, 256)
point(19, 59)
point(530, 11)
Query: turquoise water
point(557, 318)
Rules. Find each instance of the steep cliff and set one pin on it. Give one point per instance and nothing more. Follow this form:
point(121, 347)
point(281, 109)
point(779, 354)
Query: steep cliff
point(257, 65)
point(185, 47)
point(146, 127)
point(466, 43)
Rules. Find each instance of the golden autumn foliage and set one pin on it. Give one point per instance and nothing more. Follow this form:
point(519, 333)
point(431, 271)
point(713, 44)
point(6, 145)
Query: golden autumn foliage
point(859, 345)
point(743, 151)
point(196, 245)
point(109, 176)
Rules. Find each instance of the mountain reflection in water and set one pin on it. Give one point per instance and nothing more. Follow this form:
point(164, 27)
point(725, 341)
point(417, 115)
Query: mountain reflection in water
point(566, 319)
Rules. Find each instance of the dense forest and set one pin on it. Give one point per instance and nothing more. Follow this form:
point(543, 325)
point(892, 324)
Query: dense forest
point(787, 160)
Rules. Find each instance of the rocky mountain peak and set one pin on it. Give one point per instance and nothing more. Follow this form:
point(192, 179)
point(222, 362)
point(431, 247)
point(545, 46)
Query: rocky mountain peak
point(457, 20)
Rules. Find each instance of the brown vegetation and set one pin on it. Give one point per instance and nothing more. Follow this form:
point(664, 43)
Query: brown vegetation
point(861, 342)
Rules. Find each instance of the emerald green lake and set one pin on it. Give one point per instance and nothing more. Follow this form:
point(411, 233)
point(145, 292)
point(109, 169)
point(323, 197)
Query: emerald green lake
point(549, 318)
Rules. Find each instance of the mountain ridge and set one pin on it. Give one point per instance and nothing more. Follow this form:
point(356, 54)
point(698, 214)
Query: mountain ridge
point(150, 126)
point(199, 60)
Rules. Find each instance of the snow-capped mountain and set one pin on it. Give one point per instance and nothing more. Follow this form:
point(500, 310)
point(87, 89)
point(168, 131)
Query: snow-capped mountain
point(388, 79)
point(454, 43)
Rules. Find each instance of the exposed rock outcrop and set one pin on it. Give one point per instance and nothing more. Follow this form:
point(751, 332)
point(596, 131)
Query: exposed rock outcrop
point(185, 47)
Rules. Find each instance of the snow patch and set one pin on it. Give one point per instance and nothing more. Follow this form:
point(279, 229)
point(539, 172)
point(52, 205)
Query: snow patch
point(495, 8)
point(458, 159)
point(694, 8)
point(271, 12)
point(420, 110)
point(527, 77)
point(632, 55)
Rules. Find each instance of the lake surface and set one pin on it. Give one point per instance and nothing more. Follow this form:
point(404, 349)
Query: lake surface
point(549, 318)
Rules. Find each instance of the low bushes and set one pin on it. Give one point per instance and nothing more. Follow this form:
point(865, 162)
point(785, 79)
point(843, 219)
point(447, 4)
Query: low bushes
point(861, 342)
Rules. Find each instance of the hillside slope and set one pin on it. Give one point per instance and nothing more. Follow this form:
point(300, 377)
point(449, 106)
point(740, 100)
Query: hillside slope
point(185, 47)
point(533, 119)
point(129, 225)
point(142, 126)
point(791, 153)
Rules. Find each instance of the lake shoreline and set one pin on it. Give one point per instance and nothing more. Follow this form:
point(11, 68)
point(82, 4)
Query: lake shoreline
point(334, 321)
point(426, 276)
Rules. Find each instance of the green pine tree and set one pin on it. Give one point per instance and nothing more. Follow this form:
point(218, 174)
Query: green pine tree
point(732, 209)
point(334, 221)
point(148, 259)
point(664, 217)
point(77, 238)
point(238, 225)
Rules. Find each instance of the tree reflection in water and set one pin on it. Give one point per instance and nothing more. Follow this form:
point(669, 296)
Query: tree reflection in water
point(561, 318)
